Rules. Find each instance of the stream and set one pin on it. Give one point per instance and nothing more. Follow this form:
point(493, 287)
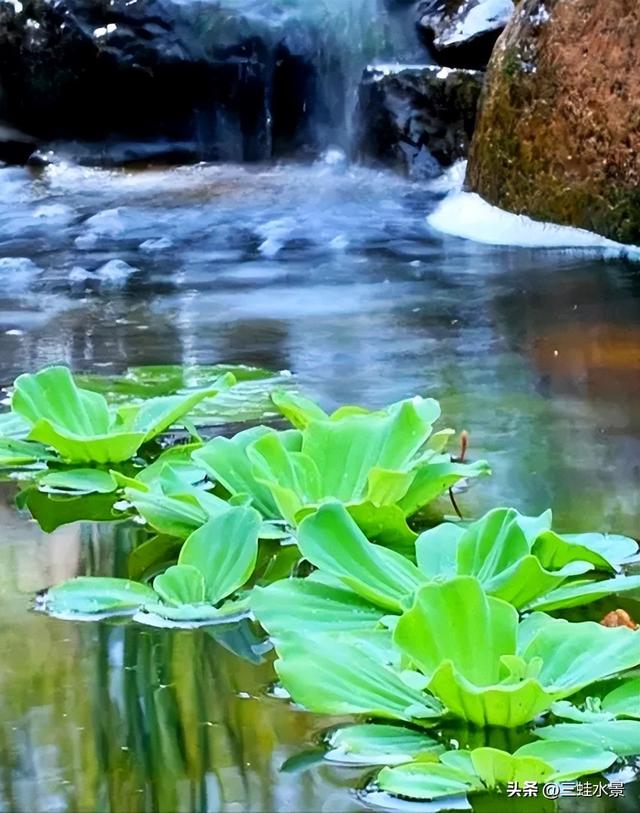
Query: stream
point(328, 270)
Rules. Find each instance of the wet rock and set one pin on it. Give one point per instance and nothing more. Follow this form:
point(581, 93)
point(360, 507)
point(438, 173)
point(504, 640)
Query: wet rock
point(15, 146)
point(174, 81)
point(417, 120)
point(557, 136)
point(462, 33)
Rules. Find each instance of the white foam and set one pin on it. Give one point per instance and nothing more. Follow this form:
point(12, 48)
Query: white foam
point(467, 215)
point(115, 272)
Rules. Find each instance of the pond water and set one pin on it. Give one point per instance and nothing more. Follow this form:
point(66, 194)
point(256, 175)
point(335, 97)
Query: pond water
point(329, 271)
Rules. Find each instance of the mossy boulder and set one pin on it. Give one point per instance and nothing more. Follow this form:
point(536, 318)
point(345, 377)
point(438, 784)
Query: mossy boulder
point(558, 134)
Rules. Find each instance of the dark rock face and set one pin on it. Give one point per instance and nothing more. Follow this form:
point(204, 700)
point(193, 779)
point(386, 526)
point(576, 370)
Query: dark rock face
point(16, 147)
point(195, 73)
point(417, 120)
point(558, 135)
point(462, 33)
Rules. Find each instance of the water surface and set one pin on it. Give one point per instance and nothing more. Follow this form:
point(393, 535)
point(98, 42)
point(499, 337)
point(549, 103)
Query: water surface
point(329, 271)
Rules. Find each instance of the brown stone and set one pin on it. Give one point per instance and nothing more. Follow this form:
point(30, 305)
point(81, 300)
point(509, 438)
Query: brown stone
point(558, 135)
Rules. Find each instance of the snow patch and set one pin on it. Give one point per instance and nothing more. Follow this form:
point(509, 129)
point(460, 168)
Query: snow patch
point(468, 216)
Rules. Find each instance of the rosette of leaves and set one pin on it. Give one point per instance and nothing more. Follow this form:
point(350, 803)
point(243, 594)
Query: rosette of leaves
point(456, 773)
point(81, 427)
point(214, 563)
point(383, 466)
point(516, 558)
point(457, 645)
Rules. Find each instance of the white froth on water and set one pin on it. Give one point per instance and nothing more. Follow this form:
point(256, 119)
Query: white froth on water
point(467, 215)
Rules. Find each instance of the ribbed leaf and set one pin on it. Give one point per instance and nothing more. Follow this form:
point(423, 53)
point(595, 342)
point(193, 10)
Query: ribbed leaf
point(224, 550)
point(332, 541)
point(309, 607)
point(335, 675)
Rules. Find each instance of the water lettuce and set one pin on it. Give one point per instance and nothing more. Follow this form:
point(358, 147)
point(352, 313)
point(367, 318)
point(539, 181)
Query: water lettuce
point(80, 425)
point(379, 744)
point(483, 769)
point(214, 563)
point(383, 466)
point(521, 667)
point(519, 671)
point(512, 556)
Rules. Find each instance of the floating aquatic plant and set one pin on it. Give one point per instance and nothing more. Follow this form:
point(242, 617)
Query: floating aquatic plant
point(514, 557)
point(483, 769)
point(518, 671)
point(81, 427)
point(214, 563)
point(383, 466)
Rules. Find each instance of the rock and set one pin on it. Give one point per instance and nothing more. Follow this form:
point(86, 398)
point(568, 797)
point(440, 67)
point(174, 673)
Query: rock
point(194, 74)
point(15, 146)
point(416, 119)
point(462, 33)
point(558, 136)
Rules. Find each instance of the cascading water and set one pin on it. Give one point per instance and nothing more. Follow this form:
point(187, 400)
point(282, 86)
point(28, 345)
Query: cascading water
point(297, 65)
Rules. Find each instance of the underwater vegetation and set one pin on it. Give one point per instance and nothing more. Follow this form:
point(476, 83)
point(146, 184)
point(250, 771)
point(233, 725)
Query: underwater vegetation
point(330, 531)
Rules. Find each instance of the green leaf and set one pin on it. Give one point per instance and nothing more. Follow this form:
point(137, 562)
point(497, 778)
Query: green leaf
point(88, 595)
point(332, 541)
point(489, 768)
point(520, 670)
point(224, 551)
point(18, 453)
point(80, 425)
point(51, 511)
point(334, 675)
point(619, 736)
point(180, 584)
point(436, 550)
point(435, 478)
point(624, 701)
point(579, 592)
point(13, 427)
point(613, 548)
point(376, 744)
point(496, 768)
point(297, 409)
point(309, 607)
point(425, 780)
point(366, 460)
point(554, 552)
point(445, 621)
point(569, 759)
point(574, 655)
point(171, 504)
point(226, 461)
point(79, 481)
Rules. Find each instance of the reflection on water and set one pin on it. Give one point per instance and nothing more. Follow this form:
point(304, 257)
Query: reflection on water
point(118, 717)
point(331, 272)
